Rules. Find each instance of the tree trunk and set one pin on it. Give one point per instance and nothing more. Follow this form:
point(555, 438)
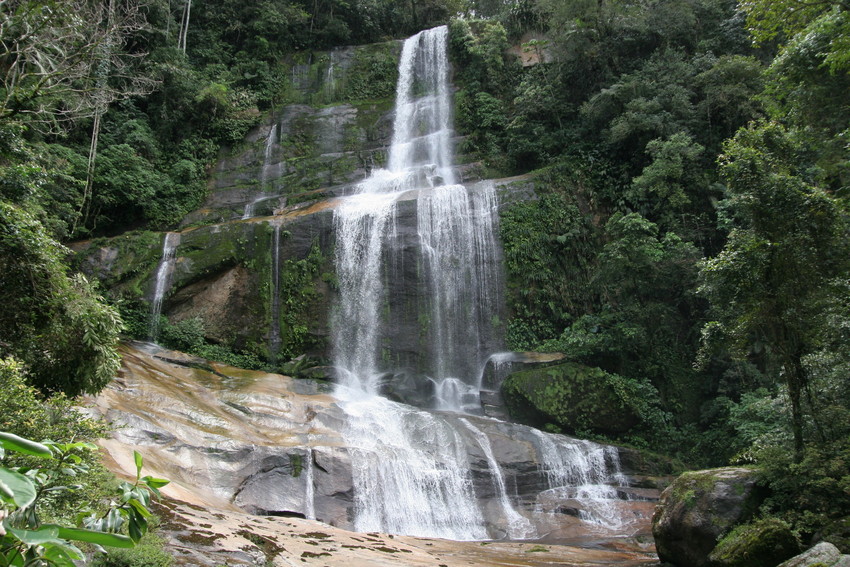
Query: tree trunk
point(184, 26)
point(87, 192)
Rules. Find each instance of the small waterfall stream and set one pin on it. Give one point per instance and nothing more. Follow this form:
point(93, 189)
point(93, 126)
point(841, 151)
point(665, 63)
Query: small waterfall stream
point(518, 527)
point(163, 281)
point(271, 141)
point(310, 487)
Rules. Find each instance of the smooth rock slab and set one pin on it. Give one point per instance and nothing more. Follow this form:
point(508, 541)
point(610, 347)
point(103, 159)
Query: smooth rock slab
point(203, 537)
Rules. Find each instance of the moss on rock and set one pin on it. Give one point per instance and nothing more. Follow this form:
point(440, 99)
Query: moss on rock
point(698, 508)
point(575, 397)
point(763, 543)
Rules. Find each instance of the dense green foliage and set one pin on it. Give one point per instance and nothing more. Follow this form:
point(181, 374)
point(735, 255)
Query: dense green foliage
point(584, 400)
point(54, 322)
point(26, 539)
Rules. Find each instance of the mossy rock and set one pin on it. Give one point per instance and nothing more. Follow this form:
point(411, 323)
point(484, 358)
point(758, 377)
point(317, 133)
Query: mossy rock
point(698, 508)
point(763, 543)
point(575, 397)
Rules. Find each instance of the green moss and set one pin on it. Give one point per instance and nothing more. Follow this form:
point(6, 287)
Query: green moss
point(763, 543)
point(299, 302)
point(573, 396)
point(136, 256)
point(297, 463)
point(149, 552)
point(537, 549)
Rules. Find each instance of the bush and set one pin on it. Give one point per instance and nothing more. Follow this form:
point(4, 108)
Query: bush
point(149, 552)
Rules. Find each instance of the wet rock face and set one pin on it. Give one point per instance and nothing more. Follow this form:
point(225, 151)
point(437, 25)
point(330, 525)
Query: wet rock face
point(697, 508)
point(270, 445)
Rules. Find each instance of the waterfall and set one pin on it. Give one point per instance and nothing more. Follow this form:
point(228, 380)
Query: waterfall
point(271, 140)
point(583, 471)
point(456, 232)
point(310, 488)
point(518, 527)
point(329, 88)
point(163, 281)
point(274, 330)
point(411, 468)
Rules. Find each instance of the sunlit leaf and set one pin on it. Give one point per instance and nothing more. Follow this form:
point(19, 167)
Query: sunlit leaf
point(138, 458)
point(12, 442)
point(96, 537)
point(16, 488)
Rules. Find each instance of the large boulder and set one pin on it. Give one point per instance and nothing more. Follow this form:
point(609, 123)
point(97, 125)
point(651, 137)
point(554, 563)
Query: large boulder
point(698, 508)
point(572, 396)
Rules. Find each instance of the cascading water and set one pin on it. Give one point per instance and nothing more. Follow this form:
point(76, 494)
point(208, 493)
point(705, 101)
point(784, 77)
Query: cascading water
point(411, 468)
point(583, 471)
point(518, 527)
point(271, 140)
point(310, 488)
point(163, 281)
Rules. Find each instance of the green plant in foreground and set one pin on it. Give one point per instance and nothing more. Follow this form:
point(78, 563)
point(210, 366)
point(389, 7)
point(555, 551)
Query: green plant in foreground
point(26, 542)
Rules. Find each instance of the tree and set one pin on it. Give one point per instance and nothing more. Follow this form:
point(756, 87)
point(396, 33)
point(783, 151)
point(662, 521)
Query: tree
point(770, 286)
point(62, 60)
point(56, 324)
point(768, 19)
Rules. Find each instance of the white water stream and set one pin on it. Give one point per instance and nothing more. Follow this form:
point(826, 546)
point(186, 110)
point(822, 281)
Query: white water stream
point(268, 149)
point(412, 471)
point(163, 281)
point(310, 487)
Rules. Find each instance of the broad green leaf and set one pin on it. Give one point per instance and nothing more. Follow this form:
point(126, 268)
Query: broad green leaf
point(41, 536)
point(135, 528)
point(138, 458)
point(17, 561)
point(100, 538)
point(140, 508)
point(155, 482)
point(12, 442)
point(62, 554)
point(16, 488)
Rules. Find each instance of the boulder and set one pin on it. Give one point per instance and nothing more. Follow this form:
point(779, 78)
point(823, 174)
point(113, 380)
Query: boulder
point(698, 508)
point(823, 554)
point(573, 396)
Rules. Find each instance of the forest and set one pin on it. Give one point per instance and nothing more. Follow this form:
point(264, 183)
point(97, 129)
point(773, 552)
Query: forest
point(689, 239)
